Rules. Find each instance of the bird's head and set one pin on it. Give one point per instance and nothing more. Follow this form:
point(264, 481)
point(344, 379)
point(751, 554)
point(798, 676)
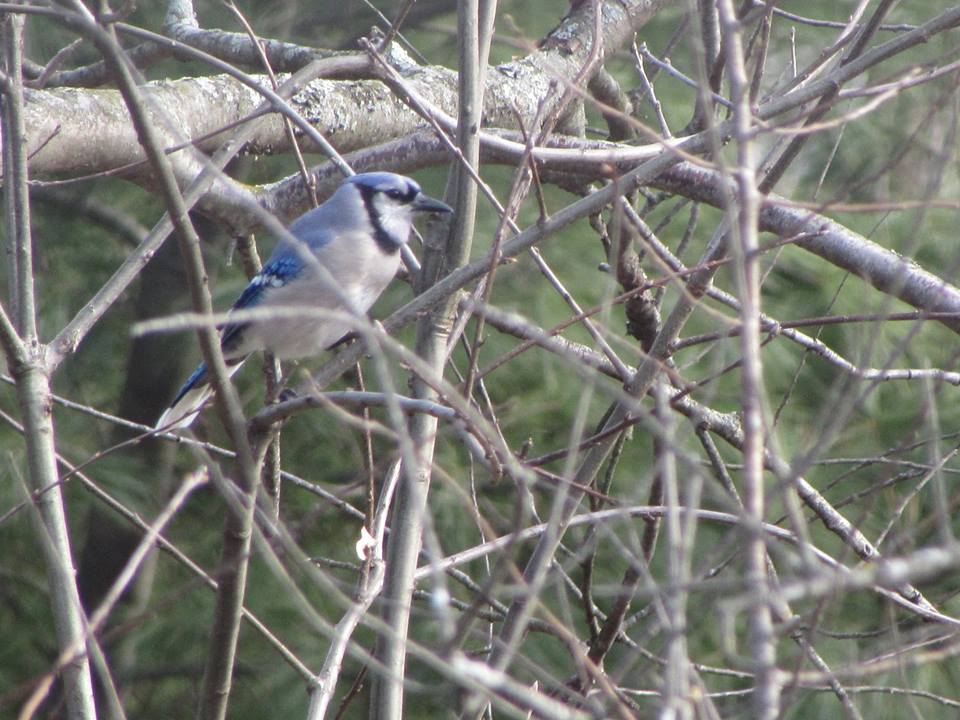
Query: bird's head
point(390, 202)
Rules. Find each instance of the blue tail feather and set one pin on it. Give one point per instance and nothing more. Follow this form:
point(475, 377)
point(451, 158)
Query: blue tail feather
point(192, 396)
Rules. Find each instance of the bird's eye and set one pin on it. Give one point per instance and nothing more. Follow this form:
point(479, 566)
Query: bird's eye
point(395, 194)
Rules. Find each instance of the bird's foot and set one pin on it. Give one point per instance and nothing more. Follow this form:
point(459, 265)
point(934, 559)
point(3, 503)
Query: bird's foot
point(287, 394)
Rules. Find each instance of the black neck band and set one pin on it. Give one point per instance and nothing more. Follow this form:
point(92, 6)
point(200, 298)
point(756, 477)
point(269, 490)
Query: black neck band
point(382, 237)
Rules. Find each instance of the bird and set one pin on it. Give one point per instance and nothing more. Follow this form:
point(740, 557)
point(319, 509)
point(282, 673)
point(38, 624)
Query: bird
point(356, 235)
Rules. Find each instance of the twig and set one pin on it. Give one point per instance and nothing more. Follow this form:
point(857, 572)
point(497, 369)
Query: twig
point(742, 213)
point(475, 25)
point(237, 535)
point(371, 583)
point(25, 357)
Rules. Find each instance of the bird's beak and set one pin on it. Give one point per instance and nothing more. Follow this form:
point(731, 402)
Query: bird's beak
point(424, 203)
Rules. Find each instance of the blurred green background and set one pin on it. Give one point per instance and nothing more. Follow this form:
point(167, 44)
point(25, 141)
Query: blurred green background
point(903, 151)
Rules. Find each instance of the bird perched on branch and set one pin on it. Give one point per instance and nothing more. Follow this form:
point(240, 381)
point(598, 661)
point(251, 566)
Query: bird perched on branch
point(356, 237)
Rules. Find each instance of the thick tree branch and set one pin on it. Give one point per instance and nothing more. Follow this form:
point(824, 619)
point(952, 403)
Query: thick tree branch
point(237, 48)
point(884, 269)
point(352, 114)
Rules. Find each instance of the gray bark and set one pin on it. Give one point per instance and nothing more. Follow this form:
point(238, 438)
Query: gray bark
point(77, 131)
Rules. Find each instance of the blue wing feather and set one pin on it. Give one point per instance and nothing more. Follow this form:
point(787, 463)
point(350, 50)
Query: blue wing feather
point(284, 265)
point(279, 270)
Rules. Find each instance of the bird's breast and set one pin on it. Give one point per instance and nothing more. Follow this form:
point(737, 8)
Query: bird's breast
point(360, 277)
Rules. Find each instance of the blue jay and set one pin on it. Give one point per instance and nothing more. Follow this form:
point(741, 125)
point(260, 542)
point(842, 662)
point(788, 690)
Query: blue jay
point(356, 235)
